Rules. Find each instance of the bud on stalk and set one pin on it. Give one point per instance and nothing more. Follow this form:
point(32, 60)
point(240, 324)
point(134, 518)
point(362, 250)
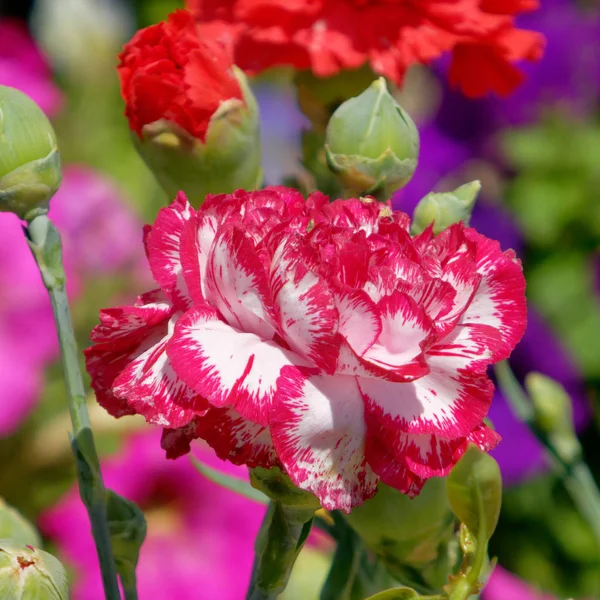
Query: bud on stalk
point(26, 572)
point(30, 172)
point(372, 144)
point(445, 208)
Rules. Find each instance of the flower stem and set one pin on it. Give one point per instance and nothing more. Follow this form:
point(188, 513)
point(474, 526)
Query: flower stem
point(576, 475)
point(44, 241)
point(278, 544)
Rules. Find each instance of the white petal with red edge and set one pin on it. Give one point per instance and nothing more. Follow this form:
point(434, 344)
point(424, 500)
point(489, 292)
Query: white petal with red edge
point(227, 366)
point(162, 246)
point(446, 402)
point(152, 387)
point(308, 319)
point(405, 329)
point(318, 431)
point(499, 301)
point(359, 320)
point(237, 284)
point(197, 238)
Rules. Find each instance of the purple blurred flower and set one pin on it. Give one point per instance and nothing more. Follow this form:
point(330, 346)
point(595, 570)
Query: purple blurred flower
point(200, 541)
point(22, 66)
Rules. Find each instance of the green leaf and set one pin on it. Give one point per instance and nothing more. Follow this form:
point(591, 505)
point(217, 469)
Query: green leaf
point(239, 486)
point(127, 527)
point(401, 593)
point(474, 489)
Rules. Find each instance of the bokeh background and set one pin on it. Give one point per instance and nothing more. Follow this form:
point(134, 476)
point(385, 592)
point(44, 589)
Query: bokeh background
point(537, 154)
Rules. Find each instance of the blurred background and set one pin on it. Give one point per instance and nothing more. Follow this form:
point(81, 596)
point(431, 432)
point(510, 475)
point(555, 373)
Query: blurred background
point(537, 154)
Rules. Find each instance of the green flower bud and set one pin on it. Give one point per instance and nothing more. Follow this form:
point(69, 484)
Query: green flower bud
point(372, 145)
point(30, 172)
point(26, 572)
point(229, 159)
point(406, 533)
point(445, 208)
point(13, 525)
point(554, 414)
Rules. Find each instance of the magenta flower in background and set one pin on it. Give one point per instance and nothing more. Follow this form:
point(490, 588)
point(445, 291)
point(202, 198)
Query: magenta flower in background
point(23, 66)
point(27, 336)
point(200, 541)
point(503, 585)
point(101, 234)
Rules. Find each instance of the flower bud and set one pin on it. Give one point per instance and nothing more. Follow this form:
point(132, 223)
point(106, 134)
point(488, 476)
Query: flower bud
point(26, 572)
point(445, 208)
point(196, 128)
point(553, 414)
point(405, 532)
point(15, 527)
point(30, 172)
point(372, 144)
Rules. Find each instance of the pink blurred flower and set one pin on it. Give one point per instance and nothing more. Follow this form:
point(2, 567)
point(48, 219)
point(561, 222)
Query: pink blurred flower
point(503, 585)
point(22, 66)
point(100, 235)
point(200, 541)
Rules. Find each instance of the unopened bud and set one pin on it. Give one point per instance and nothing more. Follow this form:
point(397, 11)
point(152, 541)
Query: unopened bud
point(14, 526)
point(553, 414)
point(372, 144)
point(30, 172)
point(26, 572)
point(445, 208)
point(228, 159)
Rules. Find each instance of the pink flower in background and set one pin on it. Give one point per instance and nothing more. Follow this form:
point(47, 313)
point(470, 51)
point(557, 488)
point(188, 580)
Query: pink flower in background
point(503, 585)
point(317, 336)
point(200, 541)
point(22, 66)
point(100, 235)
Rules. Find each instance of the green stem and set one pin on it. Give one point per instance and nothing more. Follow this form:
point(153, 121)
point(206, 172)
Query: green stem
point(44, 241)
point(129, 584)
point(576, 475)
point(279, 542)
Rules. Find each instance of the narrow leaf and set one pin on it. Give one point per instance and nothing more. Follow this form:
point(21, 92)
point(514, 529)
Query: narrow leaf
point(239, 486)
point(401, 593)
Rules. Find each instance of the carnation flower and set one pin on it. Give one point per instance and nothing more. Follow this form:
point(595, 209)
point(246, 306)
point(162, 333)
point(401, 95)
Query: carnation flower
point(328, 36)
point(168, 72)
point(317, 337)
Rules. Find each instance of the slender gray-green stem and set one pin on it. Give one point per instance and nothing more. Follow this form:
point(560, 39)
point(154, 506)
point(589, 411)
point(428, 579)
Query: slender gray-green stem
point(44, 241)
point(575, 473)
point(280, 539)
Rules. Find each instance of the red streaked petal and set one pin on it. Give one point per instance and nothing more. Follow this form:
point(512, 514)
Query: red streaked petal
point(227, 366)
point(308, 319)
point(237, 284)
point(360, 322)
point(152, 387)
point(445, 402)
point(406, 329)
point(499, 301)
point(162, 245)
point(231, 436)
point(318, 431)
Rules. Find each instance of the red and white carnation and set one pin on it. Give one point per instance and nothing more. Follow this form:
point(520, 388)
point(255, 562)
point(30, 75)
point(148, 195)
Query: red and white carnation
point(317, 337)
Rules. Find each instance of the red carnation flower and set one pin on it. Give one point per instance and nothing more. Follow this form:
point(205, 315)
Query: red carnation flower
point(168, 72)
point(328, 36)
point(318, 337)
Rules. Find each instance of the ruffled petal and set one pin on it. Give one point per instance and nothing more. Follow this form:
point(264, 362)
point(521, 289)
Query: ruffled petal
point(318, 431)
